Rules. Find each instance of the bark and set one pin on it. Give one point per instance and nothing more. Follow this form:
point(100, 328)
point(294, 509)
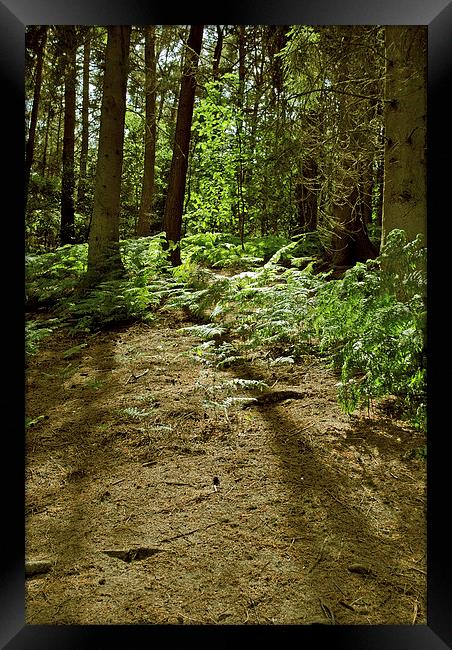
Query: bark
point(350, 240)
point(306, 196)
point(46, 139)
point(179, 163)
point(30, 146)
point(103, 250)
point(81, 194)
point(56, 162)
point(240, 105)
point(68, 177)
point(145, 216)
point(217, 53)
point(405, 189)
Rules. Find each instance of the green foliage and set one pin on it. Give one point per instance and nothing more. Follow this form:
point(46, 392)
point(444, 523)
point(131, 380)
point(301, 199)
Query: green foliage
point(371, 323)
point(35, 332)
point(272, 309)
point(136, 413)
point(51, 276)
point(31, 422)
point(109, 302)
point(74, 350)
point(224, 250)
point(207, 331)
point(54, 277)
point(213, 190)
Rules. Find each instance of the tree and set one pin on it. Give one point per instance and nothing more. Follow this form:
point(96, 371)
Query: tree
point(217, 52)
point(405, 191)
point(147, 193)
point(81, 194)
point(103, 250)
point(68, 177)
point(179, 163)
point(36, 41)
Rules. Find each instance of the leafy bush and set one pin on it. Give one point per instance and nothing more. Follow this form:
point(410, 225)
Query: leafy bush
point(372, 322)
point(223, 250)
point(35, 332)
point(135, 296)
point(51, 276)
point(218, 250)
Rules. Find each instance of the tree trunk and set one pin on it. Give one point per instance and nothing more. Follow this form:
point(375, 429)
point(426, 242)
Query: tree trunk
point(103, 250)
point(350, 242)
point(46, 139)
point(240, 106)
point(81, 194)
point(147, 194)
point(217, 53)
point(56, 159)
point(67, 182)
point(306, 196)
point(179, 162)
point(30, 147)
point(405, 182)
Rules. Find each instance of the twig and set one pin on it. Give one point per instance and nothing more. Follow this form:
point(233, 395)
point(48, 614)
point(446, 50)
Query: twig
point(190, 532)
point(415, 613)
point(135, 377)
point(120, 480)
point(327, 611)
point(319, 557)
point(414, 568)
point(294, 433)
point(145, 372)
point(336, 499)
point(177, 483)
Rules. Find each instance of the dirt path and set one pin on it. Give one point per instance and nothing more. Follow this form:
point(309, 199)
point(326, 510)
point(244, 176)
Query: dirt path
point(319, 517)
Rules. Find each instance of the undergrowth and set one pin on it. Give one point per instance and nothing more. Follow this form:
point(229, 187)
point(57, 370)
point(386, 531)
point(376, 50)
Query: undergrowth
point(369, 325)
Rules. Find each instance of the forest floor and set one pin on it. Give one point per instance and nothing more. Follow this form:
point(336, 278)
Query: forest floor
point(319, 516)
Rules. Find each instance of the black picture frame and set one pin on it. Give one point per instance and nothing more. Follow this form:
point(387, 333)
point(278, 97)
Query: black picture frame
point(14, 16)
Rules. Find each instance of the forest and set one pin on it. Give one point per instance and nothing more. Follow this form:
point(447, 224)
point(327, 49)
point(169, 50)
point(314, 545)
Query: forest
point(225, 324)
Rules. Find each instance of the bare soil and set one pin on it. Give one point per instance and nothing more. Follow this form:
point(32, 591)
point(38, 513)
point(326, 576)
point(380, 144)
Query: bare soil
point(316, 516)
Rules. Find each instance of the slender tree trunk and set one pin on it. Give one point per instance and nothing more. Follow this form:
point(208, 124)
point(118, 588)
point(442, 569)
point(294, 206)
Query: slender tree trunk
point(217, 53)
point(103, 250)
point(179, 163)
point(306, 196)
point(68, 179)
point(30, 147)
point(405, 184)
point(56, 164)
point(46, 140)
point(147, 194)
point(81, 193)
point(379, 184)
point(240, 105)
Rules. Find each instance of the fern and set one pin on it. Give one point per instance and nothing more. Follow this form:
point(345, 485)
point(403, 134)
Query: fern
point(35, 333)
point(371, 324)
point(207, 331)
point(136, 413)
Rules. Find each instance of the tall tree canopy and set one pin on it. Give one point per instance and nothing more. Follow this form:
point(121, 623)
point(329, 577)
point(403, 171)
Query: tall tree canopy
point(246, 129)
